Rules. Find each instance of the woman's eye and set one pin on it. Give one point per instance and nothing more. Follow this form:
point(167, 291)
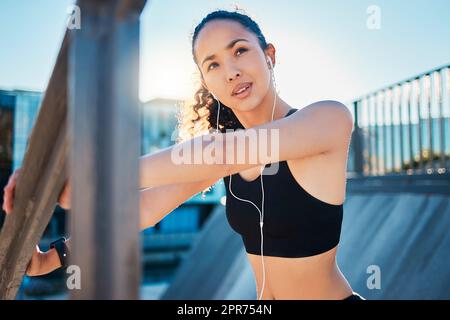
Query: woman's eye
point(243, 49)
point(212, 64)
point(238, 50)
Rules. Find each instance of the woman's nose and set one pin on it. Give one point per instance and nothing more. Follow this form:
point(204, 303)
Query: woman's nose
point(234, 74)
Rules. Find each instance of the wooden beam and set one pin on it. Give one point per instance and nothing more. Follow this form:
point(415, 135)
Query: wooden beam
point(105, 126)
point(41, 180)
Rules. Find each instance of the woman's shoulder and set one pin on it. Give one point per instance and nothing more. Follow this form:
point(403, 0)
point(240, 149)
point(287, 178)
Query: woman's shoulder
point(316, 129)
point(334, 105)
point(324, 112)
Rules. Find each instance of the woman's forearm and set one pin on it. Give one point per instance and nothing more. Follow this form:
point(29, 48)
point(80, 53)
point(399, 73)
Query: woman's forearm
point(201, 158)
point(181, 163)
point(156, 203)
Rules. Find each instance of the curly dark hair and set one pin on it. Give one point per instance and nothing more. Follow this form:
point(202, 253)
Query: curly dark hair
point(201, 113)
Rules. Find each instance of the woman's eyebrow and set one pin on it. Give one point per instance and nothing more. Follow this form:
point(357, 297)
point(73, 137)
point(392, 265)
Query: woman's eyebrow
point(229, 46)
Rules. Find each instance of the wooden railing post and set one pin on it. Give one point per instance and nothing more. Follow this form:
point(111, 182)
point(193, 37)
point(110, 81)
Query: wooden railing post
point(105, 128)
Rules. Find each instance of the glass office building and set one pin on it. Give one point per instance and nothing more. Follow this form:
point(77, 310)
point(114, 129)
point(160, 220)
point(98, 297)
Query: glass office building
point(26, 110)
point(7, 102)
point(18, 111)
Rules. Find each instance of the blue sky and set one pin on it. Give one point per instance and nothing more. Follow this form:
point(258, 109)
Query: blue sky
point(324, 48)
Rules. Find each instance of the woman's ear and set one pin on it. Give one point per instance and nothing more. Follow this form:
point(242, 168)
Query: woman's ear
point(270, 52)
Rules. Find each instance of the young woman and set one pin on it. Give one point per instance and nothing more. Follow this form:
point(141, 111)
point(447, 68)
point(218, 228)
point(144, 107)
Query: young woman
point(290, 221)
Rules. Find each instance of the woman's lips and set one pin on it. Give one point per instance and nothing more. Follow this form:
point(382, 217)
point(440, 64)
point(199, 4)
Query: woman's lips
point(244, 94)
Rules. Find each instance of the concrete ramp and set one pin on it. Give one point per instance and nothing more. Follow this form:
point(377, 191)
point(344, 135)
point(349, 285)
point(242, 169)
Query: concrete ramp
point(404, 236)
point(216, 266)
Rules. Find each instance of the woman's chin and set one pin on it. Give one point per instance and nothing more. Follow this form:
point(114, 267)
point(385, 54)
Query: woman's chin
point(245, 105)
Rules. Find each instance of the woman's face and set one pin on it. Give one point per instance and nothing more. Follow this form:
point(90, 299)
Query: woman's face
point(243, 61)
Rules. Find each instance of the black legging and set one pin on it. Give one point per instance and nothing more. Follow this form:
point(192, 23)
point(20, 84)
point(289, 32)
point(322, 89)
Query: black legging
point(355, 296)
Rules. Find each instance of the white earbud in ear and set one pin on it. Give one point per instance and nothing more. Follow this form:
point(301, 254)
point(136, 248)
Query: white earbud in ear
point(269, 61)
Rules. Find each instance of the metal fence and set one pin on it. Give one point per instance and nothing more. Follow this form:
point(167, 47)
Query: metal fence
point(403, 129)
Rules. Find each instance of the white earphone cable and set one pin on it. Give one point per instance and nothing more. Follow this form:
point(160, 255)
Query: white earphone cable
point(261, 212)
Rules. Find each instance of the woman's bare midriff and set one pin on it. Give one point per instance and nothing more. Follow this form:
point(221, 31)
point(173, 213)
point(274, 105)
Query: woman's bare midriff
point(315, 277)
point(311, 278)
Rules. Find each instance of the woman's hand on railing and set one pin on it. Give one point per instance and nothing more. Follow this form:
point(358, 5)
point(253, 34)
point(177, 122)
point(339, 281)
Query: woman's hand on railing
point(41, 262)
point(8, 193)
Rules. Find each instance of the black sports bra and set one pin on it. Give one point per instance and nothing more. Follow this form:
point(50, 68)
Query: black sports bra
point(296, 224)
